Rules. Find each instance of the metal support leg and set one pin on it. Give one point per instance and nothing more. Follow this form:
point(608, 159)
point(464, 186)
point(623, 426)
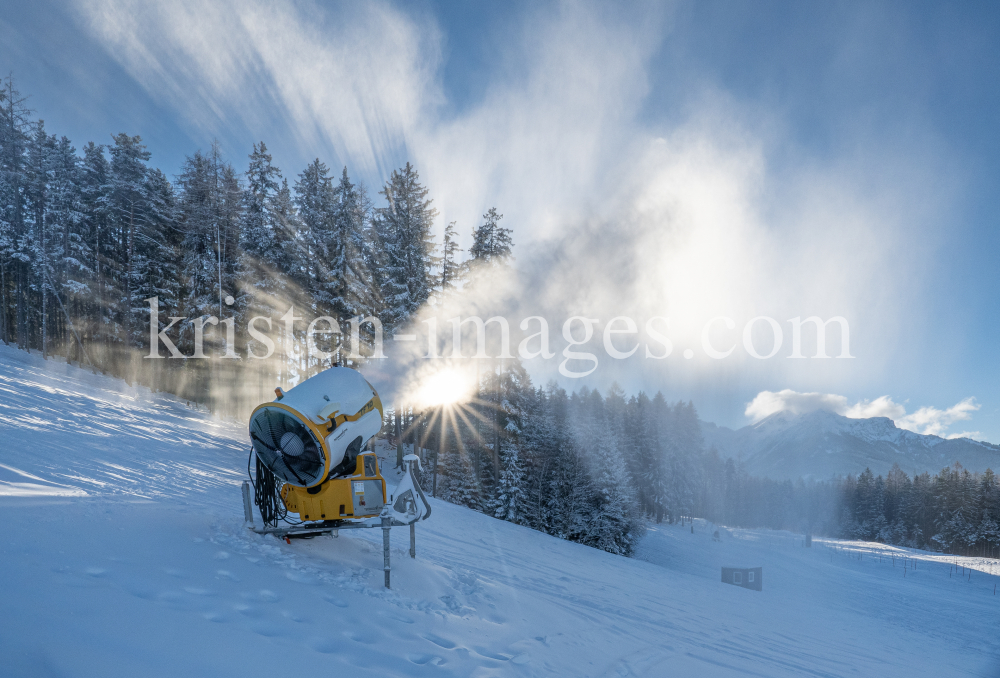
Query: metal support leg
point(413, 540)
point(247, 509)
point(386, 523)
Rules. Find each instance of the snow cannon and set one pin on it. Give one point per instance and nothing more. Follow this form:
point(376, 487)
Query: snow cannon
point(310, 446)
point(315, 431)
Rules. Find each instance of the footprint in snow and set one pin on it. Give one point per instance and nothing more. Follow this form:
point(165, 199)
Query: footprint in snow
point(268, 630)
point(221, 555)
point(96, 571)
point(170, 597)
point(440, 642)
point(361, 638)
point(300, 577)
point(422, 659)
point(269, 596)
point(398, 617)
point(325, 645)
point(335, 601)
point(141, 592)
point(489, 654)
point(248, 611)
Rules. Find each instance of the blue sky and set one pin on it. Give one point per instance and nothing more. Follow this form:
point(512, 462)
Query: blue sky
point(687, 159)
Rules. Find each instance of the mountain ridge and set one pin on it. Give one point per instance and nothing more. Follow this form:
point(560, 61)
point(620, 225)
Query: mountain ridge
point(819, 445)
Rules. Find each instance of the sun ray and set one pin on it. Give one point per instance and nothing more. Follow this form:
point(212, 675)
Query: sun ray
point(472, 429)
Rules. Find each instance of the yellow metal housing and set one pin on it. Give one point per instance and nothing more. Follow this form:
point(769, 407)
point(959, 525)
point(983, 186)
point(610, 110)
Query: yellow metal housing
point(361, 495)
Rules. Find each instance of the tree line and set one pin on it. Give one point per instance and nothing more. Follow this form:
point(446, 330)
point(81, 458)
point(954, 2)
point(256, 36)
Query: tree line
point(954, 511)
point(596, 469)
point(581, 466)
point(88, 238)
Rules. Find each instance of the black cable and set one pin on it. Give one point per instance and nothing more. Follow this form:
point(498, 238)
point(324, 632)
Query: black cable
point(267, 495)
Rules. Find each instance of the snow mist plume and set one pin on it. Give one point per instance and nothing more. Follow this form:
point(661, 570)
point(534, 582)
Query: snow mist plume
point(706, 213)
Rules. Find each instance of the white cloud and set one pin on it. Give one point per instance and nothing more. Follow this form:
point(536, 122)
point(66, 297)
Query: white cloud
point(883, 406)
point(926, 420)
point(933, 421)
point(768, 402)
point(972, 435)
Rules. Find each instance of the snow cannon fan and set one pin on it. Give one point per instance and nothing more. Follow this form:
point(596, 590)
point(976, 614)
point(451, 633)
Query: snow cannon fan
point(309, 445)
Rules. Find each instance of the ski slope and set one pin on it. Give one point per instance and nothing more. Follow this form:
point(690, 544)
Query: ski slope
point(123, 554)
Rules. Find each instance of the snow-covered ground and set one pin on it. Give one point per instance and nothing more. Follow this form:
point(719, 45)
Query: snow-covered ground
point(123, 554)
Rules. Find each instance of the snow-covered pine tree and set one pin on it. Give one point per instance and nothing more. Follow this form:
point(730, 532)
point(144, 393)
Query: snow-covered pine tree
point(615, 524)
point(452, 270)
point(67, 220)
point(259, 238)
point(510, 501)
point(209, 207)
point(129, 202)
point(572, 497)
point(320, 251)
point(462, 487)
point(351, 296)
point(157, 267)
point(645, 452)
point(492, 244)
point(684, 455)
point(15, 128)
point(37, 241)
point(654, 459)
point(266, 230)
point(95, 189)
point(407, 246)
point(504, 392)
point(540, 442)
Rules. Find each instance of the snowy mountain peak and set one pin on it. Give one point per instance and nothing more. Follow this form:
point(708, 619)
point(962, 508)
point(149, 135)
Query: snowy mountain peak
point(821, 444)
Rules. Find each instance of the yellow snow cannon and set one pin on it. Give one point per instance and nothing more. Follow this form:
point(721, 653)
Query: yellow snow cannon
point(309, 446)
point(315, 431)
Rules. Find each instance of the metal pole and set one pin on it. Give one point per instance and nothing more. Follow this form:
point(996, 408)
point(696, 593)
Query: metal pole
point(247, 511)
point(399, 440)
point(437, 451)
point(413, 540)
point(386, 523)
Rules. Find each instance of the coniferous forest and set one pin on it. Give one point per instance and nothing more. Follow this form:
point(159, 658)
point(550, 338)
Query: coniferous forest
point(89, 235)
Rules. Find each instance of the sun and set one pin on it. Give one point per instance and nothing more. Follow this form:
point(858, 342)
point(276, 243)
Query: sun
point(444, 387)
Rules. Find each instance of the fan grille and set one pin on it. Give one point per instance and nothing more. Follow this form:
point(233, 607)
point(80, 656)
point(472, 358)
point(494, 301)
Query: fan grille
point(286, 446)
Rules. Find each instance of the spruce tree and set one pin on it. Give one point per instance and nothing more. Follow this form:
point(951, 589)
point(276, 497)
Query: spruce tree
point(37, 243)
point(407, 246)
point(314, 268)
point(510, 500)
point(492, 244)
point(95, 189)
point(130, 203)
point(15, 128)
point(614, 525)
point(451, 268)
point(351, 295)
